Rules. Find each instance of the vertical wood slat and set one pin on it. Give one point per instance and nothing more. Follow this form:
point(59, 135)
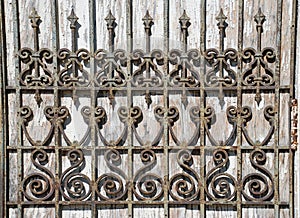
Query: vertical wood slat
point(3, 112)
point(293, 64)
point(203, 104)
point(277, 108)
point(18, 102)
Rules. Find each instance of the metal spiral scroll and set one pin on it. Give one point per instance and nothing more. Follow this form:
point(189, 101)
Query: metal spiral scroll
point(269, 113)
point(100, 119)
point(36, 61)
point(110, 73)
point(39, 186)
point(145, 63)
point(185, 186)
point(195, 118)
point(260, 186)
point(147, 186)
point(57, 117)
point(220, 185)
point(71, 63)
point(110, 186)
point(184, 74)
point(209, 116)
point(159, 116)
point(26, 115)
point(73, 184)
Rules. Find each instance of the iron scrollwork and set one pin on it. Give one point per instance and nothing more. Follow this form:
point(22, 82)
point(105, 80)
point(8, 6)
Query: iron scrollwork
point(220, 185)
point(146, 185)
point(109, 75)
point(185, 186)
point(73, 73)
point(258, 73)
point(221, 62)
point(36, 73)
point(75, 185)
point(113, 185)
point(39, 186)
point(258, 186)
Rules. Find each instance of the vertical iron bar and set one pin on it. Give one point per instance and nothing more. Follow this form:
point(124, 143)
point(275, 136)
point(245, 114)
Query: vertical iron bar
point(166, 105)
point(93, 103)
point(110, 19)
point(148, 22)
point(18, 101)
point(277, 108)
point(129, 102)
point(202, 106)
point(239, 107)
point(55, 47)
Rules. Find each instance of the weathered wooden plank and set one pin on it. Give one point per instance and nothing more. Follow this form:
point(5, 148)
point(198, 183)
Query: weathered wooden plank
point(258, 127)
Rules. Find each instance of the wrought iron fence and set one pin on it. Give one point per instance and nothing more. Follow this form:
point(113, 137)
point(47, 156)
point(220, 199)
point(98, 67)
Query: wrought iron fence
point(168, 169)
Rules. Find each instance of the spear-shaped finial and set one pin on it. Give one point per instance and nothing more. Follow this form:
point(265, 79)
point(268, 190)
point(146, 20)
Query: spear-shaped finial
point(148, 21)
point(221, 18)
point(184, 21)
point(34, 18)
point(110, 19)
point(73, 19)
point(259, 18)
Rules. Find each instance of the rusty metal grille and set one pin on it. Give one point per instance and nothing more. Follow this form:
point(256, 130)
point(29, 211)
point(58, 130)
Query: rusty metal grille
point(156, 128)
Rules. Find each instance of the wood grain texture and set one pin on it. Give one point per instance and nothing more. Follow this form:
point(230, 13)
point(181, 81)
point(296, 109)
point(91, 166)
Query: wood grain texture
point(257, 127)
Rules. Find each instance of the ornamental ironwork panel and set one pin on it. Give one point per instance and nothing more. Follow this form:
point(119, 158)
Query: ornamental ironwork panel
point(156, 128)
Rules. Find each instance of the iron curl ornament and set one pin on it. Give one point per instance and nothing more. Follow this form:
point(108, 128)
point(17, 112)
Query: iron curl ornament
point(220, 185)
point(146, 185)
point(113, 185)
point(37, 72)
point(55, 115)
point(39, 186)
point(258, 71)
point(185, 186)
point(73, 73)
point(221, 62)
point(159, 116)
point(196, 74)
point(74, 185)
point(258, 186)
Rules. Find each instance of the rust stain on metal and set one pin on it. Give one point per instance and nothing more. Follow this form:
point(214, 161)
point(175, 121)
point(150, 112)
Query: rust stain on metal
point(294, 124)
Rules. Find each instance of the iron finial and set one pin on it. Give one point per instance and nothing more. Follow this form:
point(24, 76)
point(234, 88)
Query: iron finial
point(184, 20)
point(221, 18)
point(34, 18)
point(259, 18)
point(73, 19)
point(110, 19)
point(148, 20)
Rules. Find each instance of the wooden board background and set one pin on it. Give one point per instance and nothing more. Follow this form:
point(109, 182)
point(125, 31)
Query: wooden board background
point(39, 125)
